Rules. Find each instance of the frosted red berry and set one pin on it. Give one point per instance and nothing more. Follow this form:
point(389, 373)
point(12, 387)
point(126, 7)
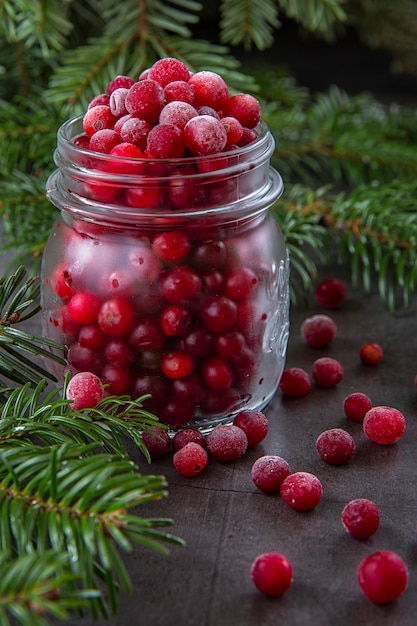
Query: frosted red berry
point(226, 443)
point(245, 108)
point(302, 491)
point(167, 70)
point(383, 576)
point(98, 118)
point(145, 99)
point(269, 471)
point(166, 141)
point(84, 390)
point(371, 353)
point(190, 460)
point(318, 330)
point(210, 89)
point(356, 405)
point(255, 425)
point(360, 518)
point(335, 446)
point(330, 293)
point(384, 425)
point(295, 382)
point(204, 135)
point(177, 113)
point(272, 573)
point(327, 372)
point(157, 441)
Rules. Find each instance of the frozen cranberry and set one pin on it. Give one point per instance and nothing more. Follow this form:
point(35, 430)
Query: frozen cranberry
point(210, 89)
point(233, 128)
point(98, 100)
point(239, 283)
point(177, 113)
point(190, 460)
point(172, 246)
point(360, 518)
point(176, 414)
point(103, 141)
point(177, 364)
point(248, 135)
point(168, 69)
point(84, 390)
point(187, 435)
point(157, 442)
point(205, 135)
point(134, 130)
point(335, 446)
point(189, 390)
point(154, 385)
point(116, 317)
point(117, 101)
point(175, 321)
point(180, 284)
point(245, 108)
point(327, 372)
point(81, 359)
point(147, 334)
point(179, 90)
point(382, 576)
point(117, 379)
point(119, 82)
point(146, 265)
point(209, 256)
point(217, 373)
point(229, 343)
point(254, 423)
point(269, 471)
point(371, 353)
point(119, 352)
point(97, 118)
point(146, 99)
point(218, 313)
point(84, 307)
point(295, 382)
point(330, 293)
point(144, 197)
point(166, 141)
point(384, 424)
point(302, 491)
point(197, 342)
point(356, 405)
point(318, 330)
point(272, 573)
point(126, 151)
point(91, 336)
point(226, 443)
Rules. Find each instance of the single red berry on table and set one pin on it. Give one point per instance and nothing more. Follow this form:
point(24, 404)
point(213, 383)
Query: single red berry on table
point(360, 518)
point(371, 353)
point(335, 446)
point(318, 330)
point(383, 576)
point(327, 372)
point(254, 423)
point(157, 441)
point(330, 293)
point(356, 405)
point(226, 442)
point(295, 382)
point(384, 424)
point(85, 390)
point(187, 435)
point(190, 460)
point(302, 491)
point(269, 471)
point(272, 573)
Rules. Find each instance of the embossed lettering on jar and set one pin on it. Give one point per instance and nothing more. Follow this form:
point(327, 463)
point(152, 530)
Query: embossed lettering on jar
point(183, 265)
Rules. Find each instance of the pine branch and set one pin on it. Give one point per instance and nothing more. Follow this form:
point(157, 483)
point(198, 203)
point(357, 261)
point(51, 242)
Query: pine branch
point(249, 23)
point(78, 502)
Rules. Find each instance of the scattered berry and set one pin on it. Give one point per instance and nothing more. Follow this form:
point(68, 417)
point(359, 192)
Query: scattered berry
point(335, 446)
point(360, 518)
point(330, 293)
point(302, 491)
point(190, 460)
point(157, 442)
point(85, 390)
point(269, 471)
point(254, 424)
point(327, 372)
point(382, 576)
point(295, 382)
point(371, 353)
point(356, 405)
point(318, 330)
point(384, 424)
point(187, 435)
point(272, 573)
point(227, 443)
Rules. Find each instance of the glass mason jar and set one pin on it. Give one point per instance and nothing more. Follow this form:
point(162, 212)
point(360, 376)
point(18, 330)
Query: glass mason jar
point(169, 278)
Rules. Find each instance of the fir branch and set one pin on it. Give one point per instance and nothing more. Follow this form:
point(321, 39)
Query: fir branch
point(244, 22)
point(35, 586)
point(315, 15)
point(78, 502)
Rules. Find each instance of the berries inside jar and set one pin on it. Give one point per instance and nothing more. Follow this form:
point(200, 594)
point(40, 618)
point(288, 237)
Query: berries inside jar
point(166, 273)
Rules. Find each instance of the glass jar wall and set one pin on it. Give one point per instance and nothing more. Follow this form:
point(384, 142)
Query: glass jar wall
point(169, 278)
